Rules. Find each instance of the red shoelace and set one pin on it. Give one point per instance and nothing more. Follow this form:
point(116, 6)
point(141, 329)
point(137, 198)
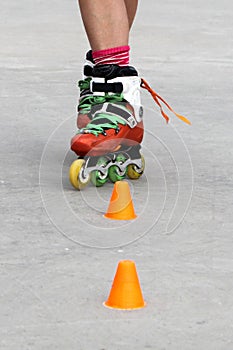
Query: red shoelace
point(156, 98)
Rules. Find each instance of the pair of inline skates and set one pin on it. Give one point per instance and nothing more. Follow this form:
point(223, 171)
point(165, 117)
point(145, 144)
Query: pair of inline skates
point(110, 125)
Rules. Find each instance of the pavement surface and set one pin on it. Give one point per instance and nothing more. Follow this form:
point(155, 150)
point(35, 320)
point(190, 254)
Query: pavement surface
point(58, 255)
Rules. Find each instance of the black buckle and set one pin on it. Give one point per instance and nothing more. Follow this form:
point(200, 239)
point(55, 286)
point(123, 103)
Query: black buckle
point(116, 88)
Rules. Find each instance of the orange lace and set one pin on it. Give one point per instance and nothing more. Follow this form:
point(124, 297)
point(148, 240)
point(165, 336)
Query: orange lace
point(156, 97)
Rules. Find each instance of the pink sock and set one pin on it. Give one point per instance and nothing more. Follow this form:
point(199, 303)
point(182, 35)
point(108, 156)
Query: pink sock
point(116, 55)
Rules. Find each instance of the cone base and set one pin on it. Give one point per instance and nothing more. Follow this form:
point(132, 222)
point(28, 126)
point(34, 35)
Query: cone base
point(124, 308)
point(113, 217)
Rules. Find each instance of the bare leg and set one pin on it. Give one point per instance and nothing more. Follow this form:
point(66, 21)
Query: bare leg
point(106, 23)
point(131, 8)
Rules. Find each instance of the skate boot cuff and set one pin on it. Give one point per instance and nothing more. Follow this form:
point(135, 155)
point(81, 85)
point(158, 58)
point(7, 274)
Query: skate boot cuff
point(88, 65)
point(89, 57)
point(111, 71)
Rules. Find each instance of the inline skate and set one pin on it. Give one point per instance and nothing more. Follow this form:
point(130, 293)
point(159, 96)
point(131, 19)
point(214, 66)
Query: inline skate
point(110, 126)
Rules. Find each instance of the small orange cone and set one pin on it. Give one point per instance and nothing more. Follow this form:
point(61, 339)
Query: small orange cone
point(125, 292)
point(121, 205)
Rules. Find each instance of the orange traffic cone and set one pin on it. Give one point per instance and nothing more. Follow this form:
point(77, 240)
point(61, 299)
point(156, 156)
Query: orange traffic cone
point(121, 205)
point(125, 292)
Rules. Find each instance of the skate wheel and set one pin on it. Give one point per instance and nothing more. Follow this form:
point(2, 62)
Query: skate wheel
point(134, 172)
point(114, 172)
point(99, 178)
point(78, 181)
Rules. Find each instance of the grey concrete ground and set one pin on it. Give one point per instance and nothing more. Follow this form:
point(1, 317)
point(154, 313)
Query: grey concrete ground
point(58, 254)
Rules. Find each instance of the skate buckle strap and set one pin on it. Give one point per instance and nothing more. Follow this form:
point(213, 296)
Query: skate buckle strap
point(115, 88)
point(123, 113)
point(156, 98)
point(118, 110)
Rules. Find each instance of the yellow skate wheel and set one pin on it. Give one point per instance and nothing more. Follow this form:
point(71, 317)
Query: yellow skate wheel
point(134, 172)
point(78, 181)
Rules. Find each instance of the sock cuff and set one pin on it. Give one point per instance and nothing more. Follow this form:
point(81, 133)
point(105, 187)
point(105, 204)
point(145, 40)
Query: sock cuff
point(110, 51)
